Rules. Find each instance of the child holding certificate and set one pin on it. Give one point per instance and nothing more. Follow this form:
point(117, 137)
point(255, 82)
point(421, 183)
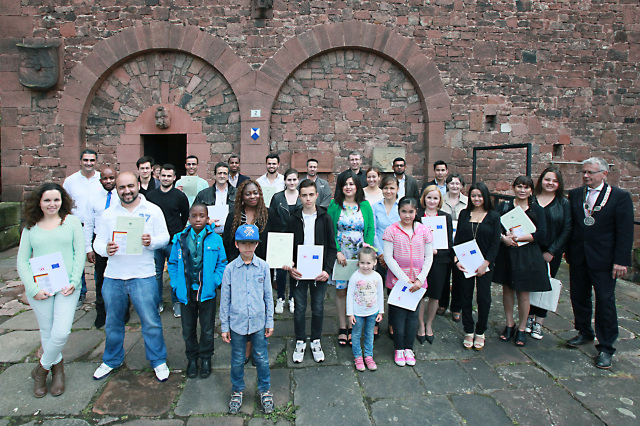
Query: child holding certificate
point(195, 266)
point(365, 306)
point(310, 225)
point(408, 252)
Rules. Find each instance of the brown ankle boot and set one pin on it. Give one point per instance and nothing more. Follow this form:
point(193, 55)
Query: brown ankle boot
point(39, 375)
point(57, 379)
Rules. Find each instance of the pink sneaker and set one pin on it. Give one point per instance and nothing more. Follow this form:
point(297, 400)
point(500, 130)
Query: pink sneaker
point(409, 357)
point(371, 364)
point(399, 359)
point(359, 364)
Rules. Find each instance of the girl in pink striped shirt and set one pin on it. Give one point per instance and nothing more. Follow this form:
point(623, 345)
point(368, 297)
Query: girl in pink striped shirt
point(408, 253)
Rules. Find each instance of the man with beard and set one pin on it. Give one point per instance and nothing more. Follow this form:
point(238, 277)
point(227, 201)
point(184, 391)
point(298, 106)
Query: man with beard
point(175, 208)
point(408, 186)
point(131, 276)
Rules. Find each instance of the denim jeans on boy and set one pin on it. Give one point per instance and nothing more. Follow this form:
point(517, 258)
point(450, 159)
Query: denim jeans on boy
point(160, 256)
point(405, 327)
point(317, 291)
point(366, 324)
point(260, 356)
point(143, 294)
point(206, 313)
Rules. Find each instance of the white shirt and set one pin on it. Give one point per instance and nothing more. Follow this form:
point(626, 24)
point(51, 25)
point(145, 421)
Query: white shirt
point(126, 267)
point(401, 186)
point(309, 221)
point(595, 190)
point(233, 180)
point(81, 190)
point(221, 196)
point(278, 183)
point(96, 206)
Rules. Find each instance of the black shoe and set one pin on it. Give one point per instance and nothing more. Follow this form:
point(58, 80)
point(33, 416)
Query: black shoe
point(429, 338)
point(579, 340)
point(508, 333)
point(99, 322)
point(603, 360)
point(421, 339)
point(205, 368)
point(192, 369)
point(521, 338)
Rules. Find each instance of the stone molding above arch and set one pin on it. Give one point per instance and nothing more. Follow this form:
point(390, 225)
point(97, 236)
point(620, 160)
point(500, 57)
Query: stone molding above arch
point(87, 76)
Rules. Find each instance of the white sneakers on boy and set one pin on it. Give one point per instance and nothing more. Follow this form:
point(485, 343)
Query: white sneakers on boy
point(162, 372)
point(316, 349)
point(279, 306)
point(101, 372)
point(298, 353)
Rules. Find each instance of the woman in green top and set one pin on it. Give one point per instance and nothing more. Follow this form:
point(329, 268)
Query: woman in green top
point(51, 229)
point(353, 224)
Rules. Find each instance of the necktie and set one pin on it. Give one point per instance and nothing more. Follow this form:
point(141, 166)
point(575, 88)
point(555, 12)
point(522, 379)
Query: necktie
point(106, 206)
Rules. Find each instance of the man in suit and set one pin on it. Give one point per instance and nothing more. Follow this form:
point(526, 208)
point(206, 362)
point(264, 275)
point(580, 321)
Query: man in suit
point(235, 177)
point(408, 184)
point(599, 252)
point(355, 163)
point(441, 171)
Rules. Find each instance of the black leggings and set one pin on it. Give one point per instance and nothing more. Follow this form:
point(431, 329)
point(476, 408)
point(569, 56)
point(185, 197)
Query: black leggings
point(483, 298)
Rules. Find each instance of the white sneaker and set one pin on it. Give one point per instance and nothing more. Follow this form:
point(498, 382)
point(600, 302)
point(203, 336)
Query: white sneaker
point(177, 311)
point(279, 306)
point(316, 349)
point(292, 306)
point(409, 357)
point(298, 353)
point(536, 331)
point(162, 372)
point(103, 371)
point(160, 308)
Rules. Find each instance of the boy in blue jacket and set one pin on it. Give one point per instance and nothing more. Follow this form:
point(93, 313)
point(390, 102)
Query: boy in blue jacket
point(196, 266)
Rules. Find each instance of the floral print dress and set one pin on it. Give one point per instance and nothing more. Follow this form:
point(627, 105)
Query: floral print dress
point(350, 235)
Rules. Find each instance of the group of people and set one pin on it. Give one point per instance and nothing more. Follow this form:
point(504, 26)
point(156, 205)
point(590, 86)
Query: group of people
point(373, 220)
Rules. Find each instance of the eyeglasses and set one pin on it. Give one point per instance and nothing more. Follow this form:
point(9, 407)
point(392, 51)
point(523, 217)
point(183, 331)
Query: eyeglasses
point(590, 173)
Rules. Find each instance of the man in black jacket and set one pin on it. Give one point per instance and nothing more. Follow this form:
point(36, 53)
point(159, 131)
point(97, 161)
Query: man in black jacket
point(599, 252)
point(408, 184)
point(311, 225)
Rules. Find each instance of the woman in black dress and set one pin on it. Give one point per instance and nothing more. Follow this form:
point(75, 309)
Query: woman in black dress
point(549, 194)
point(480, 223)
point(521, 268)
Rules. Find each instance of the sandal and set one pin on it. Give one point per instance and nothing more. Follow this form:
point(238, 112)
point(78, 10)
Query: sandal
point(455, 316)
point(521, 338)
point(349, 337)
point(508, 333)
point(440, 312)
point(468, 341)
point(342, 341)
point(478, 342)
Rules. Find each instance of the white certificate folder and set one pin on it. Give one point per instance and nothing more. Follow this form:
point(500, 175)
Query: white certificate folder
point(279, 249)
point(309, 262)
point(401, 296)
point(49, 272)
point(438, 226)
point(470, 256)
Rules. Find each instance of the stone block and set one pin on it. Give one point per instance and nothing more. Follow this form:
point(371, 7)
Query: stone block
point(478, 410)
point(9, 215)
point(16, 345)
point(432, 410)
point(16, 26)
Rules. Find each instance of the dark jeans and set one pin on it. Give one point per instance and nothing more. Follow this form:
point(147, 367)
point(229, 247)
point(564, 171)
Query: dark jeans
point(100, 266)
point(582, 280)
point(160, 256)
point(405, 327)
point(191, 312)
point(538, 312)
point(281, 284)
point(317, 289)
point(452, 293)
point(483, 299)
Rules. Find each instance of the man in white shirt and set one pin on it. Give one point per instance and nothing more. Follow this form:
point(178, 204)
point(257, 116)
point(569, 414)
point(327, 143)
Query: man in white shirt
point(272, 177)
point(97, 205)
point(131, 276)
point(191, 165)
point(235, 178)
point(220, 193)
point(81, 186)
point(324, 191)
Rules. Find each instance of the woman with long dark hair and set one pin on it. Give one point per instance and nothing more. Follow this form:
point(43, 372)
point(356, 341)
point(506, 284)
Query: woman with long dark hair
point(50, 229)
point(353, 224)
point(549, 194)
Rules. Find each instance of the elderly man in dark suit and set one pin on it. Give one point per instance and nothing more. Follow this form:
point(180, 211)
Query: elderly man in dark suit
point(599, 252)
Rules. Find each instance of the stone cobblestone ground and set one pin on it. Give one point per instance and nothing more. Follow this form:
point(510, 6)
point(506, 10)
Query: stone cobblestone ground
point(543, 383)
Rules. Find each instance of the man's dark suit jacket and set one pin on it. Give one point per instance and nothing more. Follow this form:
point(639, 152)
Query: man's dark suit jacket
point(609, 240)
point(411, 187)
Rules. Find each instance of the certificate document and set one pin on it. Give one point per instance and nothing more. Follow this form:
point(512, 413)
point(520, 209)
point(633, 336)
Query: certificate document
point(309, 262)
point(470, 256)
point(268, 193)
point(219, 213)
point(343, 273)
point(49, 272)
point(454, 223)
point(279, 249)
point(517, 222)
point(128, 234)
point(438, 226)
point(189, 186)
point(401, 296)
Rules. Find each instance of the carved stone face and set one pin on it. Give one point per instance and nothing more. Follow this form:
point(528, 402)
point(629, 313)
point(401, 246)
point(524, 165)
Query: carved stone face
point(163, 118)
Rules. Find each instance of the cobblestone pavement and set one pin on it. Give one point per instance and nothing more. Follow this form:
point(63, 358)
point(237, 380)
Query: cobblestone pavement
point(543, 383)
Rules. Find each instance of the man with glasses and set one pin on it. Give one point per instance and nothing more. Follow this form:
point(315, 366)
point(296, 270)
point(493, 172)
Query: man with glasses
point(408, 185)
point(599, 252)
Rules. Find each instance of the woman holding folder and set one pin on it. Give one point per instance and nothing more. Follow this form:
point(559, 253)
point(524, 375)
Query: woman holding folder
point(520, 267)
point(51, 229)
point(479, 223)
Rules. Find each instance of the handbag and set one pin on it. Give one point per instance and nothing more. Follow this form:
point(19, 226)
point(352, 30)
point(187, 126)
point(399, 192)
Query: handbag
point(547, 299)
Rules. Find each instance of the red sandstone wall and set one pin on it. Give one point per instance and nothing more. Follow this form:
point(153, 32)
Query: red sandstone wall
point(562, 75)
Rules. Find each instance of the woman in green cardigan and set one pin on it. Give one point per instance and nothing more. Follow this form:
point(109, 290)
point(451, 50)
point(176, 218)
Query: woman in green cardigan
point(50, 229)
point(353, 224)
